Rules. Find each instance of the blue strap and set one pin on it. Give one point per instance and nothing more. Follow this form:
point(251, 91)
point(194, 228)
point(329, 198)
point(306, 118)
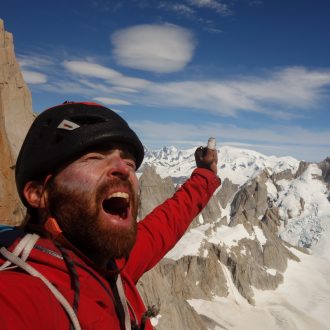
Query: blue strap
point(4, 228)
point(9, 234)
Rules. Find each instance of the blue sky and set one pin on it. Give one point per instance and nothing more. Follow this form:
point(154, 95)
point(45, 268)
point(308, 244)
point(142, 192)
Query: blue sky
point(253, 73)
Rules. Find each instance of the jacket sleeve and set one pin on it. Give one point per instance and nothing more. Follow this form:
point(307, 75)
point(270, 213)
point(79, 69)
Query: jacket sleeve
point(160, 230)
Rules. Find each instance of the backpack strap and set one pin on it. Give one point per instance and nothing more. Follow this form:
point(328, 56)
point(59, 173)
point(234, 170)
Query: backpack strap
point(23, 248)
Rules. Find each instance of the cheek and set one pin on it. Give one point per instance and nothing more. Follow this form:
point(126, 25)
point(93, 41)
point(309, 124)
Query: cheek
point(75, 181)
point(135, 183)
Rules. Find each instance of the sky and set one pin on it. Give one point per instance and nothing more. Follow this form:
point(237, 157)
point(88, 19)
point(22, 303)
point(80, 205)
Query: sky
point(252, 73)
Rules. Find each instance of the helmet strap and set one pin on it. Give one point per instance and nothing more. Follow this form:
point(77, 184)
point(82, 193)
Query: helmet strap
point(52, 227)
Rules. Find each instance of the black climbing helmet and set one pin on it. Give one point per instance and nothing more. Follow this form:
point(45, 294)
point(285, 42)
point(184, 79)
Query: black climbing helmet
point(63, 133)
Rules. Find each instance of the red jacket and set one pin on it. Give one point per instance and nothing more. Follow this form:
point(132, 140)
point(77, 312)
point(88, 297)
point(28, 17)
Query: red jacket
point(26, 303)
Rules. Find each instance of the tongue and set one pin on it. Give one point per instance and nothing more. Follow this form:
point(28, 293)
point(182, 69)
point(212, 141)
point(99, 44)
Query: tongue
point(116, 206)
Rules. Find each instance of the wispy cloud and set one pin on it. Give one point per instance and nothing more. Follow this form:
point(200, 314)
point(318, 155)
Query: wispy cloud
point(191, 11)
point(94, 70)
point(36, 61)
point(282, 93)
point(219, 6)
point(178, 8)
point(156, 48)
point(111, 101)
point(33, 77)
point(67, 87)
point(33, 67)
point(256, 3)
point(286, 93)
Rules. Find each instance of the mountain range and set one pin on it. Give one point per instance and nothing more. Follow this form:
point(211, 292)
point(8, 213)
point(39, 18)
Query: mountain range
point(258, 254)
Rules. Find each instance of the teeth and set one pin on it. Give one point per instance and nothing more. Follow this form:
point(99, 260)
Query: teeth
point(119, 194)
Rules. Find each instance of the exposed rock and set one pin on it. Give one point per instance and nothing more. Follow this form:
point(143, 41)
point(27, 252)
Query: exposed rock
point(226, 192)
point(212, 211)
point(272, 219)
point(250, 202)
point(325, 168)
point(172, 282)
point(286, 175)
point(153, 190)
point(301, 169)
point(175, 312)
point(16, 117)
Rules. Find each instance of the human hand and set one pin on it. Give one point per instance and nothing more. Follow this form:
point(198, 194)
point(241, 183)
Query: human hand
point(207, 158)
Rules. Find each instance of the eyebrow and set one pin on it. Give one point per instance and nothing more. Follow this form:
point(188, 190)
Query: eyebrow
point(127, 154)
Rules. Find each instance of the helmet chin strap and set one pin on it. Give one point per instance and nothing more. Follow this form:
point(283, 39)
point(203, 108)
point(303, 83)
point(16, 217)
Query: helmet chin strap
point(52, 227)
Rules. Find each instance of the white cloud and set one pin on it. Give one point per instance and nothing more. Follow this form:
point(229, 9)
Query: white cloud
point(289, 93)
point(32, 77)
point(94, 70)
point(295, 86)
point(131, 82)
point(279, 94)
point(157, 48)
point(85, 68)
point(111, 101)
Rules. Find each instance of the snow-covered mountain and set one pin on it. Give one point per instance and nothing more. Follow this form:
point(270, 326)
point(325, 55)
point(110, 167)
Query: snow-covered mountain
point(302, 200)
point(238, 165)
point(240, 239)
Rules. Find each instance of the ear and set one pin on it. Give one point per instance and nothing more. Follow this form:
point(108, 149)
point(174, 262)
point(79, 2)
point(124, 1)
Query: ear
point(34, 194)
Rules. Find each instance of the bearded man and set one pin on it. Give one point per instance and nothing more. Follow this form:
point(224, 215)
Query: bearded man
point(75, 261)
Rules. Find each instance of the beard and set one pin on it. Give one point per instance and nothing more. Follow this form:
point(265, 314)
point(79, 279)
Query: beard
point(77, 213)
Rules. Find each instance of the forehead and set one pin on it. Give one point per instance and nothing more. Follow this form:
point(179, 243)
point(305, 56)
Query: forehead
point(126, 150)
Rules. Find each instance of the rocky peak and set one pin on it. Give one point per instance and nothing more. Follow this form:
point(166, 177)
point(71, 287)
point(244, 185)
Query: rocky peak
point(16, 117)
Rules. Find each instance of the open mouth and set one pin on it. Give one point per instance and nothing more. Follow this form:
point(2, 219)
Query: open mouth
point(117, 204)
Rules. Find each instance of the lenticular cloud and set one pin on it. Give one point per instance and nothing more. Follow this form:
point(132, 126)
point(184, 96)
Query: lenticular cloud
point(156, 48)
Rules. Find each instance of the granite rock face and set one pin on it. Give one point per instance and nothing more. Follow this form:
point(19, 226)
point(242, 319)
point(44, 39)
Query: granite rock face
point(16, 117)
point(226, 192)
point(153, 190)
point(325, 168)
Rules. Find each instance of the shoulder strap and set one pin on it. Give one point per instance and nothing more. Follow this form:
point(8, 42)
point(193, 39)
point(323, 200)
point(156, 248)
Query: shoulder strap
point(23, 249)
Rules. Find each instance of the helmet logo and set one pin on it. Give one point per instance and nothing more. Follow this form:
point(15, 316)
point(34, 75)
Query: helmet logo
point(68, 125)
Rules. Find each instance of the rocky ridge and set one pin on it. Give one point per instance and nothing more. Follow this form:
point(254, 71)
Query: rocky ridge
point(237, 235)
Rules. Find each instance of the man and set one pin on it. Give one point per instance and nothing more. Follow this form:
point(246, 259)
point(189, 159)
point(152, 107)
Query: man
point(84, 252)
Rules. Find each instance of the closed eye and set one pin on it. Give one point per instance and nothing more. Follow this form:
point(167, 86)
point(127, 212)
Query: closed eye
point(93, 156)
point(130, 163)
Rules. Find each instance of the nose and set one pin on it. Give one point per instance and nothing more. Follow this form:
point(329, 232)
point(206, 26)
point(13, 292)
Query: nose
point(118, 168)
